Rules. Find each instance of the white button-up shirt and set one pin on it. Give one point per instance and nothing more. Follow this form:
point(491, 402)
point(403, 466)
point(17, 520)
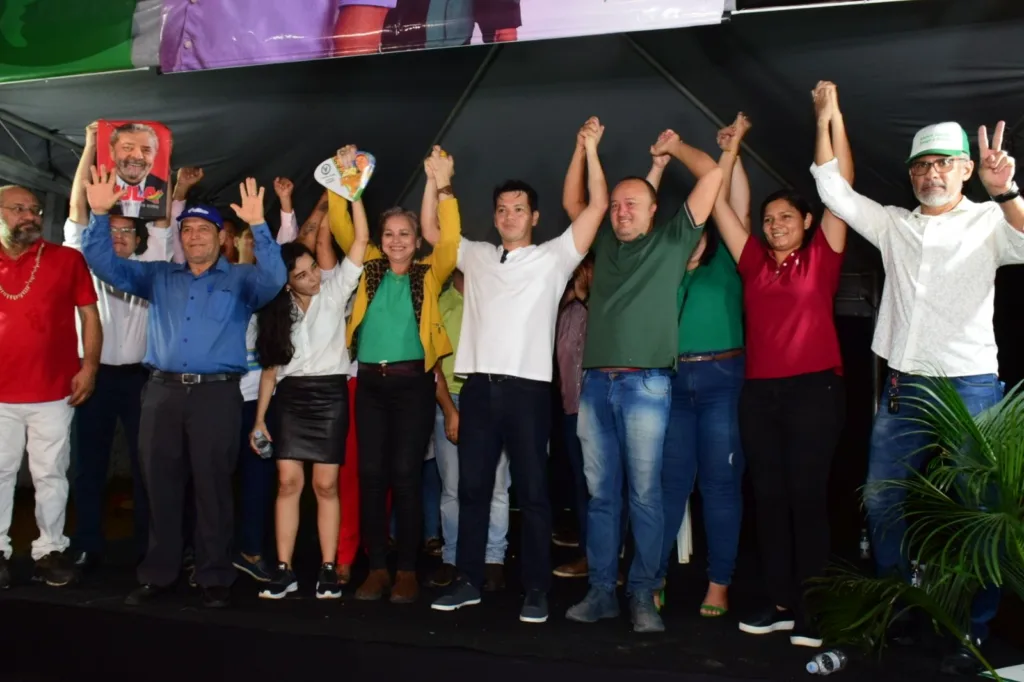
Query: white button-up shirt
point(122, 316)
point(935, 318)
point(510, 308)
point(318, 335)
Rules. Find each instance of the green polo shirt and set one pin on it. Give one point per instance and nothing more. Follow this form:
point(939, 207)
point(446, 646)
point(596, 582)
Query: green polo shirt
point(450, 303)
point(388, 332)
point(633, 311)
point(710, 304)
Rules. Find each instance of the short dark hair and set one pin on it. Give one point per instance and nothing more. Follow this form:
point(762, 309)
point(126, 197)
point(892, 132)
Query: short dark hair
point(516, 187)
point(650, 188)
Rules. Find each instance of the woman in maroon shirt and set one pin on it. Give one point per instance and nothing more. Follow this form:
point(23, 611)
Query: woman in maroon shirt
point(792, 406)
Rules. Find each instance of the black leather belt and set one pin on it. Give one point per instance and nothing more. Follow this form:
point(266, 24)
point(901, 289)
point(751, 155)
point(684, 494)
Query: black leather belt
point(192, 379)
point(708, 357)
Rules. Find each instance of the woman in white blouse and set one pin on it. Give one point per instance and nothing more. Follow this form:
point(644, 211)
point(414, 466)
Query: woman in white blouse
point(301, 346)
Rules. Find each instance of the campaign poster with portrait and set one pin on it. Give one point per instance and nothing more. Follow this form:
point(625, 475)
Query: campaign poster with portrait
point(139, 152)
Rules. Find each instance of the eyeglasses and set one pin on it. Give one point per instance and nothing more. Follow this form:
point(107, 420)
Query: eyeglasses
point(18, 208)
point(943, 165)
point(122, 230)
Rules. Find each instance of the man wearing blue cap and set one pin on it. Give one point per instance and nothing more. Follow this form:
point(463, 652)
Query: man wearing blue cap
point(935, 318)
point(196, 354)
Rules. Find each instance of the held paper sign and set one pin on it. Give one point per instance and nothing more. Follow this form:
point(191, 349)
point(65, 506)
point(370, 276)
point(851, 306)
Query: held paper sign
point(140, 154)
point(347, 182)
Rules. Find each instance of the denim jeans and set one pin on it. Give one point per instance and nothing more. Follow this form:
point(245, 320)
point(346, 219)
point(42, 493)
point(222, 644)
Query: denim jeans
point(581, 497)
point(431, 500)
point(899, 446)
point(446, 454)
point(622, 422)
point(703, 443)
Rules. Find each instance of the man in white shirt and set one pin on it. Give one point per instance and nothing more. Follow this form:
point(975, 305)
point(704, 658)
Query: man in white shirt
point(120, 378)
point(506, 347)
point(935, 318)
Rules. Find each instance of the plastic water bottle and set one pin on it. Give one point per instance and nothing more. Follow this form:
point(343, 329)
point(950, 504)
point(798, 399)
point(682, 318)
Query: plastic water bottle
point(865, 545)
point(827, 663)
point(263, 446)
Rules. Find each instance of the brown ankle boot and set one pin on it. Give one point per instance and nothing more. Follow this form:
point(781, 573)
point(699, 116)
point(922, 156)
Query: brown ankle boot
point(374, 586)
point(406, 589)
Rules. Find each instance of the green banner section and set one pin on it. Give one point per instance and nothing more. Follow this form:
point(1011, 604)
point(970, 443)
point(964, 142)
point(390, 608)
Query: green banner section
point(47, 38)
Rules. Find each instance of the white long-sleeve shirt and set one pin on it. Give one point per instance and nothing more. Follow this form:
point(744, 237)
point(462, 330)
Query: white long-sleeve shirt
point(122, 316)
point(935, 317)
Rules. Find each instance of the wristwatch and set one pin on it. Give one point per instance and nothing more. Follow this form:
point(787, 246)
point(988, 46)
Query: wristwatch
point(1009, 195)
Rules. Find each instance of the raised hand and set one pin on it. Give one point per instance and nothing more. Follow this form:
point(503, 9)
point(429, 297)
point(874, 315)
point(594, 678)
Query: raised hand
point(442, 165)
point(90, 134)
point(283, 187)
point(581, 137)
point(102, 191)
point(738, 130)
point(826, 101)
point(592, 132)
point(665, 142)
point(996, 167)
point(251, 210)
point(188, 178)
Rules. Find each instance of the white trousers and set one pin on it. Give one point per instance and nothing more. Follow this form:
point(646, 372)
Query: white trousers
point(47, 429)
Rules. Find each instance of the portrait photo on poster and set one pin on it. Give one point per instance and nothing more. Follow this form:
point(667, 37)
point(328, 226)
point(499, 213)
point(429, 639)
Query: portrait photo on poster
point(139, 152)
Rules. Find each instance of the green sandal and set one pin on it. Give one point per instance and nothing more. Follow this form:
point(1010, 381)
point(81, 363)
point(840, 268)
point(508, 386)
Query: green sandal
point(712, 611)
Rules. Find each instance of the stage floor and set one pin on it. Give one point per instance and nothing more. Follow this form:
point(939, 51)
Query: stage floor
point(61, 633)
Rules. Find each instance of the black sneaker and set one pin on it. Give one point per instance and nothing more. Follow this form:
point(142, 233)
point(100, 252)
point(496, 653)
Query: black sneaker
point(769, 620)
point(327, 585)
point(5, 573)
point(535, 607)
point(805, 634)
point(281, 585)
point(55, 569)
point(460, 594)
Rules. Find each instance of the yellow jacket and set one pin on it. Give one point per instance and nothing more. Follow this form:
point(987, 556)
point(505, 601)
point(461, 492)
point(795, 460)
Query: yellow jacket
point(426, 277)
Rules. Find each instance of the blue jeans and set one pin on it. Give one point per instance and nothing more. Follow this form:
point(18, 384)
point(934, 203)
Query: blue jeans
point(431, 500)
point(581, 498)
point(622, 422)
point(447, 456)
point(703, 443)
point(899, 446)
point(258, 485)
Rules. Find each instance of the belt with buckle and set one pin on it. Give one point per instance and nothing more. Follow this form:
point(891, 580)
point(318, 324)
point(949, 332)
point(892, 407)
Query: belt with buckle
point(405, 368)
point(192, 379)
point(708, 357)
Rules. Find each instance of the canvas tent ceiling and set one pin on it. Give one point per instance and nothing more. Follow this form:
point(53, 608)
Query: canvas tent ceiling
point(898, 66)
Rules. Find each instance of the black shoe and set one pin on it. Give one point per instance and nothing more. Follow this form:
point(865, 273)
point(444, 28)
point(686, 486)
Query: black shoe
point(282, 583)
point(84, 561)
point(962, 662)
point(54, 569)
point(769, 620)
point(5, 573)
point(327, 585)
point(217, 597)
point(460, 594)
point(535, 607)
point(144, 594)
point(805, 634)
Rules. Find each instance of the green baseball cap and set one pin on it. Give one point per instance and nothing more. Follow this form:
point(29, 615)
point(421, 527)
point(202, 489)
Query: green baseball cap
point(944, 139)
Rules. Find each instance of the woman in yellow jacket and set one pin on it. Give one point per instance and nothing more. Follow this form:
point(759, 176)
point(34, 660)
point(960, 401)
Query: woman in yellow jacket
point(396, 335)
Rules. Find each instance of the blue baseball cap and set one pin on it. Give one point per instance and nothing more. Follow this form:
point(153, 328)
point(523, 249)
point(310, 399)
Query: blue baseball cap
point(207, 213)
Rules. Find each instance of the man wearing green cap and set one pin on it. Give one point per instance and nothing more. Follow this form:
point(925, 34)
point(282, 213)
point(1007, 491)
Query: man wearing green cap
point(935, 318)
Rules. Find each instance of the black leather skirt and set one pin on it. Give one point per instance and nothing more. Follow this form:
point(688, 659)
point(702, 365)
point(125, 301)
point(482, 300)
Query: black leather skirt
point(312, 419)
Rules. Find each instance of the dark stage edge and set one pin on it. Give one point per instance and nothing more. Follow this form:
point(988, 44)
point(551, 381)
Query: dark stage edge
point(85, 629)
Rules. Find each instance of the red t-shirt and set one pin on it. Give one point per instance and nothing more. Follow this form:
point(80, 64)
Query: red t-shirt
point(37, 332)
point(790, 321)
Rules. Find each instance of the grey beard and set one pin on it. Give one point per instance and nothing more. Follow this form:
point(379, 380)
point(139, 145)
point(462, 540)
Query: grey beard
point(24, 236)
point(935, 200)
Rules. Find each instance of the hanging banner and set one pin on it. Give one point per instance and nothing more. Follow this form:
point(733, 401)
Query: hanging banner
point(203, 34)
point(50, 38)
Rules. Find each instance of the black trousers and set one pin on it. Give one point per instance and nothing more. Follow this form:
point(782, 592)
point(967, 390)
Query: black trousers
point(118, 395)
point(394, 419)
point(790, 428)
point(189, 429)
point(515, 414)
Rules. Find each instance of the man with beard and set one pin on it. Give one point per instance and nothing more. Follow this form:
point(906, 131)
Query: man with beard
point(935, 318)
point(41, 286)
point(133, 149)
point(196, 354)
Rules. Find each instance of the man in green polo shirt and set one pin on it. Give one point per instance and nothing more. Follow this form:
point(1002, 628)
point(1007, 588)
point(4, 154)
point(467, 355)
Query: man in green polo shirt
point(629, 357)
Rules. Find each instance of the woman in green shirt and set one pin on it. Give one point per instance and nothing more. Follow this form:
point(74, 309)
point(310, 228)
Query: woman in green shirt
point(703, 438)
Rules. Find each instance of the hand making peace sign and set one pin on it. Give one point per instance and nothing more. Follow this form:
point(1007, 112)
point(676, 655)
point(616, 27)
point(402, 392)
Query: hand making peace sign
point(995, 167)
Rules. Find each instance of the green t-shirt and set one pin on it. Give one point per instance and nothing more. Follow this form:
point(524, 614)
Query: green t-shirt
point(388, 332)
point(450, 303)
point(710, 304)
point(633, 310)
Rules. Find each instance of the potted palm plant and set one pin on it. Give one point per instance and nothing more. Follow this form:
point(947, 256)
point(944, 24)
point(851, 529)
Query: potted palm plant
point(965, 518)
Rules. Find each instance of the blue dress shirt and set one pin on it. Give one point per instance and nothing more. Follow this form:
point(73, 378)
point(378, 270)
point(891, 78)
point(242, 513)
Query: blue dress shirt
point(196, 324)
